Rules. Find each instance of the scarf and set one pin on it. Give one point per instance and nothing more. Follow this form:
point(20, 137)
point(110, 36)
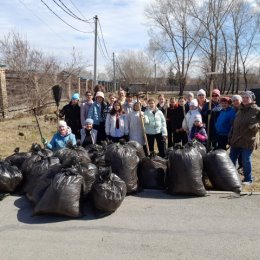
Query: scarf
point(117, 120)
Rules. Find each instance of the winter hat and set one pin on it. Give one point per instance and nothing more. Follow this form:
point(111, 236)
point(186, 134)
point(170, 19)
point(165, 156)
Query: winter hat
point(198, 119)
point(216, 92)
point(249, 94)
point(100, 94)
point(89, 121)
point(194, 102)
point(236, 97)
point(62, 123)
point(75, 96)
point(226, 99)
point(201, 92)
point(190, 94)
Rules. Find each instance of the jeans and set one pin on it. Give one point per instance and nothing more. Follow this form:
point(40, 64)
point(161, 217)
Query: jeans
point(246, 161)
point(160, 143)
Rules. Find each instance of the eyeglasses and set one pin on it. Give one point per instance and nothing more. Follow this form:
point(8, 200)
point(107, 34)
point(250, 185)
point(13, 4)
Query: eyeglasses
point(200, 95)
point(214, 95)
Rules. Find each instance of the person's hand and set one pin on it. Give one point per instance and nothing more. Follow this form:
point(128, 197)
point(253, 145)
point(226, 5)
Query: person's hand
point(164, 138)
point(44, 141)
point(254, 127)
point(126, 137)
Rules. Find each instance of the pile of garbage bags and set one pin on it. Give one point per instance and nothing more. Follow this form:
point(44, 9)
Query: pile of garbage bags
point(61, 183)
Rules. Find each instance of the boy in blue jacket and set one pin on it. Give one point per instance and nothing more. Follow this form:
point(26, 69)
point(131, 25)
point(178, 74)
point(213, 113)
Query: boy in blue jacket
point(224, 122)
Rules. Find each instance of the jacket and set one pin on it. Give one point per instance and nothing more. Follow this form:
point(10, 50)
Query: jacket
point(84, 108)
point(58, 141)
point(127, 107)
point(199, 133)
point(225, 121)
point(175, 117)
point(136, 132)
point(163, 108)
point(72, 117)
point(110, 126)
point(97, 113)
point(93, 134)
point(245, 130)
point(155, 123)
point(189, 118)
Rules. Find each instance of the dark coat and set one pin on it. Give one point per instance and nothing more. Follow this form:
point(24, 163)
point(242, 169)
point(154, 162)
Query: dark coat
point(245, 131)
point(175, 117)
point(72, 117)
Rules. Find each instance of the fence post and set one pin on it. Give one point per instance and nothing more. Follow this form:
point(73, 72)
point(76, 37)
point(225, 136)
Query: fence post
point(3, 94)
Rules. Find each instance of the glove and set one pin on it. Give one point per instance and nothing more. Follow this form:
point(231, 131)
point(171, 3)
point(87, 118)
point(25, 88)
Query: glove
point(126, 137)
point(44, 141)
point(108, 137)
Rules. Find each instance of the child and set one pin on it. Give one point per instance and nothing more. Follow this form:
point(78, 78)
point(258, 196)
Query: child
point(198, 131)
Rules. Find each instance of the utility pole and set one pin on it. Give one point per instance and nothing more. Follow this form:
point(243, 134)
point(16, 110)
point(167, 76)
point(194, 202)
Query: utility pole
point(114, 71)
point(155, 81)
point(95, 51)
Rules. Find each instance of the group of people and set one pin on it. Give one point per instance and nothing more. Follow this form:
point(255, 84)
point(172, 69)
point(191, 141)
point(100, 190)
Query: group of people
point(223, 121)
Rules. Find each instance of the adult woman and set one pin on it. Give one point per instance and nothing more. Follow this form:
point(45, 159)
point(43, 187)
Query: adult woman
point(116, 123)
point(162, 104)
point(84, 107)
point(135, 125)
point(155, 127)
point(201, 98)
point(88, 134)
point(61, 138)
point(71, 112)
point(98, 115)
point(214, 113)
point(236, 102)
point(244, 137)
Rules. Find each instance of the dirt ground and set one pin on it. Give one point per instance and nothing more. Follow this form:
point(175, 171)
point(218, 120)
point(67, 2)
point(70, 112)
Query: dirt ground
point(23, 132)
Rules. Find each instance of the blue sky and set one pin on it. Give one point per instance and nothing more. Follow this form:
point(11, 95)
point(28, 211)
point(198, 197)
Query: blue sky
point(123, 25)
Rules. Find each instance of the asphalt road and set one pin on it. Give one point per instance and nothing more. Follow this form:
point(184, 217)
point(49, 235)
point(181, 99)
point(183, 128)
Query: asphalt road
point(150, 225)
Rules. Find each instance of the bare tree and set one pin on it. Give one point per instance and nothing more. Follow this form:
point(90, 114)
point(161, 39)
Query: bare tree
point(173, 35)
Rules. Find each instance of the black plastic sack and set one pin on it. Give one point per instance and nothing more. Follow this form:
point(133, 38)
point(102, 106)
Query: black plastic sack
point(124, 162)
point(108, 192)
point(90, 175)
point(139, 149)
point(199, 146)
point(62, 197)
point(221, 171)
point(43, 183)
point(17, 158)
point(65, 155)
point(153, 172)
point(38, 168)
point(185, 172)
point(10, 177)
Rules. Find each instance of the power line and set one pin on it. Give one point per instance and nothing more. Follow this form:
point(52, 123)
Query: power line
point(103, 40)
point(62, 19)
point(59, 36)
point(102, 50)
point(77, 9)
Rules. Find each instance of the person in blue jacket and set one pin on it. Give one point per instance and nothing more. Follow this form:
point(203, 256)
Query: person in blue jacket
point(224, 122)
point(61, 138)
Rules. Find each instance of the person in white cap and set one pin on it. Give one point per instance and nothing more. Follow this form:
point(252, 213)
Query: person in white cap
point(189, 118)
point(236, 102)
point(60, 139)
point(88, 134)
point(201, 97)
point(71, 112)
point(244, 136)
point(188, 99)
point(97, 113)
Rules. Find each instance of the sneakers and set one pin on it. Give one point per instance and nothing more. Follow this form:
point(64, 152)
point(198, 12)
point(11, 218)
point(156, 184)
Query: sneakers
point(247, 182)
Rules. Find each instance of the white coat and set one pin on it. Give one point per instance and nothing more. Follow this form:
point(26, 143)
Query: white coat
point(111, 125)
point(188, 121)
point(136, 132)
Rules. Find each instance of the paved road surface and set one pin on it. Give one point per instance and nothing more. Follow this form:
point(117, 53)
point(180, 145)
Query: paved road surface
point(151, 225)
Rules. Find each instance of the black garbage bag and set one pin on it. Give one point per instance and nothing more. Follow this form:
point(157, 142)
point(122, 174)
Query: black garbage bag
point(221, 171)
point(94, 150)
point(90, 175)
point(43, 183)
point(199, 146)
point(10, 177)
point(108, 192)
point(37, 169)
point(124, 162)
point(17, 158)
point(139, 149)
point(185, 172)
point(153, 172)
point(66, 154)
point(62, 197)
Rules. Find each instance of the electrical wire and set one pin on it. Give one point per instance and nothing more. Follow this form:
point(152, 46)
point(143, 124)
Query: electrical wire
point(64, 20)
point(103, 40)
